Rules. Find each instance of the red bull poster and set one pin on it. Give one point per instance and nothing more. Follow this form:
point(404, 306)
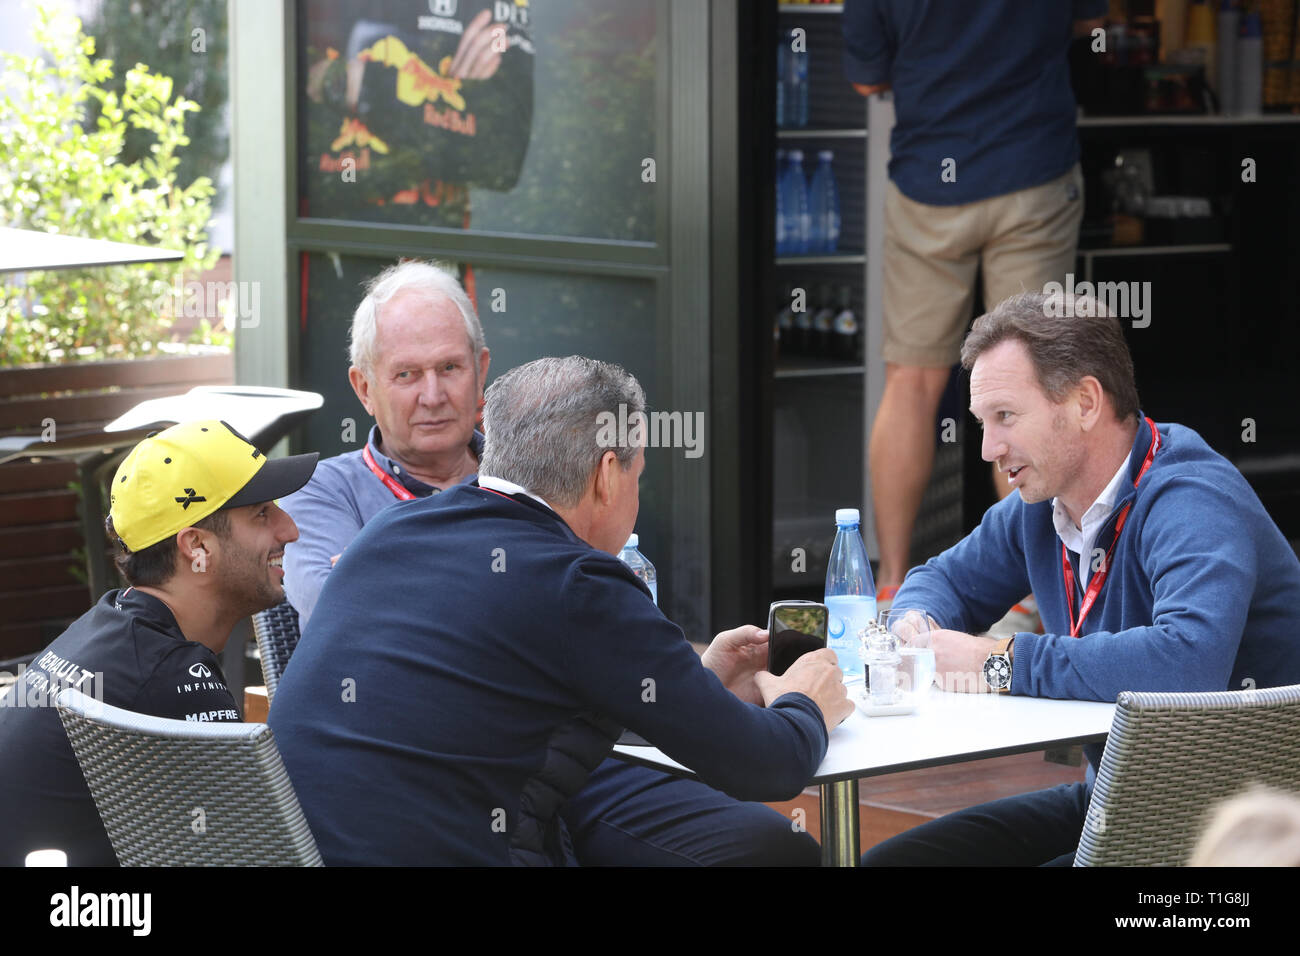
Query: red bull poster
point(526, 117)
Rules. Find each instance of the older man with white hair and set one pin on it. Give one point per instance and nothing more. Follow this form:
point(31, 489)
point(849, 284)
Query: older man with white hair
point(419, 363)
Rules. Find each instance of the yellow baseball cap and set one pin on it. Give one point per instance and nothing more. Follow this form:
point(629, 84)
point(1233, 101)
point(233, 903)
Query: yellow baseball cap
point(179, 476)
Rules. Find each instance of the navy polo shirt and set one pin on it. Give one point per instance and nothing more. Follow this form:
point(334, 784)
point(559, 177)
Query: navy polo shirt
point(984, 84)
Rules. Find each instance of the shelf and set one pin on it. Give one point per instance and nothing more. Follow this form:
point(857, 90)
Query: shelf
point(835, 259)
point(810, 8)
point(1197, 119)
point(806, 133)
point(1109, 251)
point(811, 367)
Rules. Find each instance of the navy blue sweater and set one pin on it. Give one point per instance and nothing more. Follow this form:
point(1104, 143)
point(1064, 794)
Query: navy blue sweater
point(1203, 592)
point(470, 660)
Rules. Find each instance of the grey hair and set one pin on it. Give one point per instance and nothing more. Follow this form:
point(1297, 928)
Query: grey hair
point(1062, 348)
point(423, 278)
point(542, 424)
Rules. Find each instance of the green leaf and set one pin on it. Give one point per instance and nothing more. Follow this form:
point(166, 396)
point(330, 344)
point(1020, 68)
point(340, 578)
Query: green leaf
point(61, 170)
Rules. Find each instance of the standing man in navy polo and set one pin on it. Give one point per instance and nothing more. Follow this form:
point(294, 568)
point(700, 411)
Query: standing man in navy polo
point(984, 177)
point(419, 364)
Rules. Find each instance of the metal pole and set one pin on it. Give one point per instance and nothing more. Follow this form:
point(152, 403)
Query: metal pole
point(93, 536)
point(840, 840)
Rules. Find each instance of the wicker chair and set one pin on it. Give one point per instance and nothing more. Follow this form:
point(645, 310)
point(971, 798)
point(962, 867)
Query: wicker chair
point(176, 793)
point(1171, 759)
point(277, 636)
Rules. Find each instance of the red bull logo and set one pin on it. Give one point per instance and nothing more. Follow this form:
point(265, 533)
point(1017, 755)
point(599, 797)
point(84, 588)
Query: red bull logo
point(417, 83)
point(353, 132)
point(450, 120)
point(338, 164)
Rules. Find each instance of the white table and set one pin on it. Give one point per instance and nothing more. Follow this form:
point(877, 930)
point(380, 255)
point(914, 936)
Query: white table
point(951, 728)
point(23, 250)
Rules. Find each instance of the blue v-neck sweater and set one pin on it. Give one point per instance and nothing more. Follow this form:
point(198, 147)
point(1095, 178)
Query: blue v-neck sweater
point(1203, 591)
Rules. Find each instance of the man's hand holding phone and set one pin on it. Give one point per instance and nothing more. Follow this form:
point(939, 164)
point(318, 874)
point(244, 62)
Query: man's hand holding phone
point(816, 674)
point(736, 657)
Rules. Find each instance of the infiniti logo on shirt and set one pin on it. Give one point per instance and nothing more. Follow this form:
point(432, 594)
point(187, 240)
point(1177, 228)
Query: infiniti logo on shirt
point(200, 670)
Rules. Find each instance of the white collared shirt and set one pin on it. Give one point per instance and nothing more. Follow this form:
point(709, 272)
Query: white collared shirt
point(509, 488)
point(1081, 540)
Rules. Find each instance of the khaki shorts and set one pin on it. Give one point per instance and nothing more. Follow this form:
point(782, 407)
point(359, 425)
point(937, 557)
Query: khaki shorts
point(1021, 240)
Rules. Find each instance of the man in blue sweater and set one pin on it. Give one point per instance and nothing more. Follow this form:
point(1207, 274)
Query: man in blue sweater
point(1155, 566)
point(475, 654)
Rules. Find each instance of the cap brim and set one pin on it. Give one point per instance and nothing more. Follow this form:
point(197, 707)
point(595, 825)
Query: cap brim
point(277, 478)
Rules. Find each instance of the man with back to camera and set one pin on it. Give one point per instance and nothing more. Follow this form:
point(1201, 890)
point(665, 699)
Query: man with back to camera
point(200, 541)
point(463, 726)
point(983, 178)
point(418, 356)
point(1155, 564)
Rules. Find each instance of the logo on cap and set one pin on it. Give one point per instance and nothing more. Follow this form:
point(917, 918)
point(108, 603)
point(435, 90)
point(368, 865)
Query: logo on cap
point(190, 498)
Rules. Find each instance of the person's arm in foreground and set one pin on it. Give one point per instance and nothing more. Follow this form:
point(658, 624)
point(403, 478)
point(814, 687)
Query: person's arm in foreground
point(635, 666)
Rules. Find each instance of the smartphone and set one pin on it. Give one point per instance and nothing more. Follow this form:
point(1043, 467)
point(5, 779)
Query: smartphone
point(794, 628)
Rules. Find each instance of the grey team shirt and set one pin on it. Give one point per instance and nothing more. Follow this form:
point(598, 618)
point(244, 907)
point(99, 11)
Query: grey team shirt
point(332, 508)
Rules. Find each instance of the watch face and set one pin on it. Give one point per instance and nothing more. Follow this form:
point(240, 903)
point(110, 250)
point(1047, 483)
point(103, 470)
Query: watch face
point(997, 671)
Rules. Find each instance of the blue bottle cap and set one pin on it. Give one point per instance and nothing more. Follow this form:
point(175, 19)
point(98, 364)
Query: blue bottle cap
point(633, 541)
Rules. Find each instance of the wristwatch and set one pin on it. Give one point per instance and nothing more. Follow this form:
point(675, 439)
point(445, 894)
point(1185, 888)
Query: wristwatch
point(997, 667)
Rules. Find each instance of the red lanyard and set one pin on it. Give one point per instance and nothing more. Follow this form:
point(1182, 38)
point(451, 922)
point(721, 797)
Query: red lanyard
point(388, 481)
point(1099, 577)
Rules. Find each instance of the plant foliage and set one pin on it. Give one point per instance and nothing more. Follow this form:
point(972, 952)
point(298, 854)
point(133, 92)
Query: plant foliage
point(57, 176)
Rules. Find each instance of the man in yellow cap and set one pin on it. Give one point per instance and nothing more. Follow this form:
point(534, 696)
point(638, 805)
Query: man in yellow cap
point(201, 544)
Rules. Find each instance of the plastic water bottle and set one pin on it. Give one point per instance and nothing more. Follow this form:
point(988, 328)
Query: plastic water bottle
point(792, 95)
point(782, 211)
point(850, 594)
point(1250, 65)
point(640, 566)
point(787, 236)
point(798, 216)
point(824, 203)
point(1227, 57)
point(796, 102)
point(782, 46)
